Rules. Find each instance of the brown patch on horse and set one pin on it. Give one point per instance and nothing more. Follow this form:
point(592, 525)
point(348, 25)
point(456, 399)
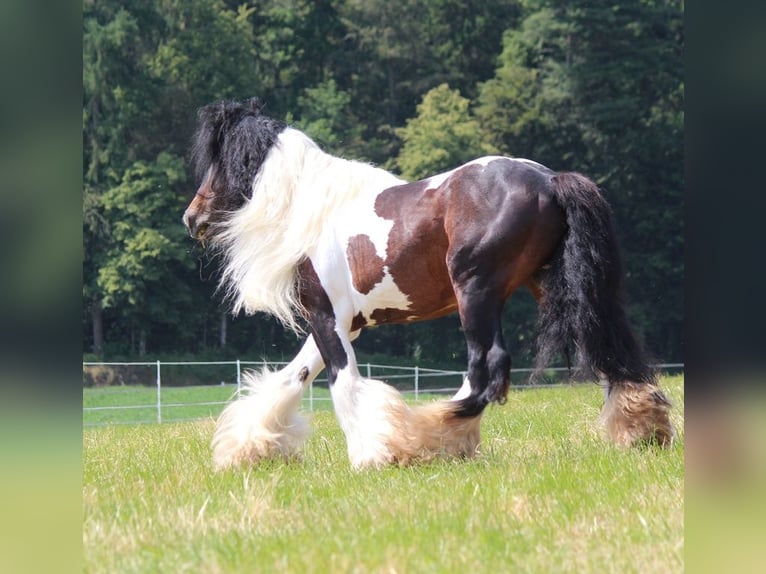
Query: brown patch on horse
point(417, 247)
point(437, 244)
point(365, 263)
point(390, 315)
point(358, 322)
point(637, 413)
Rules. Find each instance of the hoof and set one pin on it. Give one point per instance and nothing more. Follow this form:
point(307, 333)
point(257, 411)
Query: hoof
point(637, 413)
point(381, 429)
point(264, 424)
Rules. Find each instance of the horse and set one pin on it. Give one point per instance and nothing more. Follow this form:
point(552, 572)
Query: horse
point(330, 246)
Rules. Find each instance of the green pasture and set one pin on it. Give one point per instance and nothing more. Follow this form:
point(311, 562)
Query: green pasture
point(546, 494)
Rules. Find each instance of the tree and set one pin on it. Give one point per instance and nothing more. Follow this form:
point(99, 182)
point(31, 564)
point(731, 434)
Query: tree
point(442, 135)
point(146, 68)
point(397, 51)
point(325, 117)
point(597, 87)
point(420, 86)
point(143, 266)
point(526, 109)
point(116, 89)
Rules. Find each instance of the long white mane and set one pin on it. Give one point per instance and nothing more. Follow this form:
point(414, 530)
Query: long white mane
point(296, 195)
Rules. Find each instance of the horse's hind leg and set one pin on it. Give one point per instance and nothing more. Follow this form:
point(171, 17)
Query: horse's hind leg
point(636, 413)
point(265, 422)
point(489, 364)
point(633, 413)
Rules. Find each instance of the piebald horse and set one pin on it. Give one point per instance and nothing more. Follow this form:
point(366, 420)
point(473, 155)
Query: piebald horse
point(341, 245)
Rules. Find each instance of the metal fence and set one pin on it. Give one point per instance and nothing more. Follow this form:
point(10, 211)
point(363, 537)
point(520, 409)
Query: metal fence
point(147, 400)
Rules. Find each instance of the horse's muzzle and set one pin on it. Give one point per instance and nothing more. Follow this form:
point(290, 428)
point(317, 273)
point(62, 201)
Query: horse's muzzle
point(197, 226)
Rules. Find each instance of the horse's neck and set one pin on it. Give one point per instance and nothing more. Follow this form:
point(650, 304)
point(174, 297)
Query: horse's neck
point(298, 198)
point(327, 186)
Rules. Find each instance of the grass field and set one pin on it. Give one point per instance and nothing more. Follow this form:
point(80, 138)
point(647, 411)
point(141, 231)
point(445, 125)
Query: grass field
point(546, 494)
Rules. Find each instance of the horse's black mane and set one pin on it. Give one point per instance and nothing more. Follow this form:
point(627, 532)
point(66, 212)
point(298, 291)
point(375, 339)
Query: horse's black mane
point(233, 137)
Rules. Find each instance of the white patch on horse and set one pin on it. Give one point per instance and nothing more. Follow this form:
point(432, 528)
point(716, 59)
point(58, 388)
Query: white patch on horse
point(385, 294)
point(464, 390)
point(529, 162)
point(436, 180)
point(364, 221)
point(484, 161)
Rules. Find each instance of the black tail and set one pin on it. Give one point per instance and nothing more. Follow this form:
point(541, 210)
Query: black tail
point(581, 307)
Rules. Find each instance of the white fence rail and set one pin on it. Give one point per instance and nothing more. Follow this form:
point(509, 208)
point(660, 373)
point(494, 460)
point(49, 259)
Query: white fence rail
point(150, 402)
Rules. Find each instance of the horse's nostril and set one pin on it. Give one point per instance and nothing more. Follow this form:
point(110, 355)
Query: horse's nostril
point(197, 226)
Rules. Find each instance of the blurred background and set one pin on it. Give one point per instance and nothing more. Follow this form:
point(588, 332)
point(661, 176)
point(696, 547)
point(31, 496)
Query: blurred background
point(417, 87)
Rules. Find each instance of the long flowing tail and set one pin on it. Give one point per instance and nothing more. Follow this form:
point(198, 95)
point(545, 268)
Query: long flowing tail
point(582, 310)
point(582, 307)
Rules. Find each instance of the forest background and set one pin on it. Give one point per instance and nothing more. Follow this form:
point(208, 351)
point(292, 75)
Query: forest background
point(416, 86)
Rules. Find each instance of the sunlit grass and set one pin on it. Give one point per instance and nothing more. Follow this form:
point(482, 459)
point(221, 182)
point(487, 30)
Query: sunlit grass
point(545, 495)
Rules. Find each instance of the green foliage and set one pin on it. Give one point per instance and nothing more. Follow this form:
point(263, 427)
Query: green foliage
point(325, 117)
point(144, 244)
point(419, 86)
point(525, 110)
point(211, 53)
point(441, 136)
point(146, 67)
point(597, 87)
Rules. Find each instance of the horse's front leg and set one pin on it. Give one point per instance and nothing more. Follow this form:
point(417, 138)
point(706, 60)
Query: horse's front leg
point(380, 428)
point(264, 421)
point(371, 413)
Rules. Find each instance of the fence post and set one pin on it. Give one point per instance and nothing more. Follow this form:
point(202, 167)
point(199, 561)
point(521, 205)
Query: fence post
point(159, 394)
point(417, 376)
point(369, 372)
point(311, 396)
point(239, 378)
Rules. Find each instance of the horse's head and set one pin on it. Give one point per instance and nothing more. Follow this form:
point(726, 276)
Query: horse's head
point(229, 147)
